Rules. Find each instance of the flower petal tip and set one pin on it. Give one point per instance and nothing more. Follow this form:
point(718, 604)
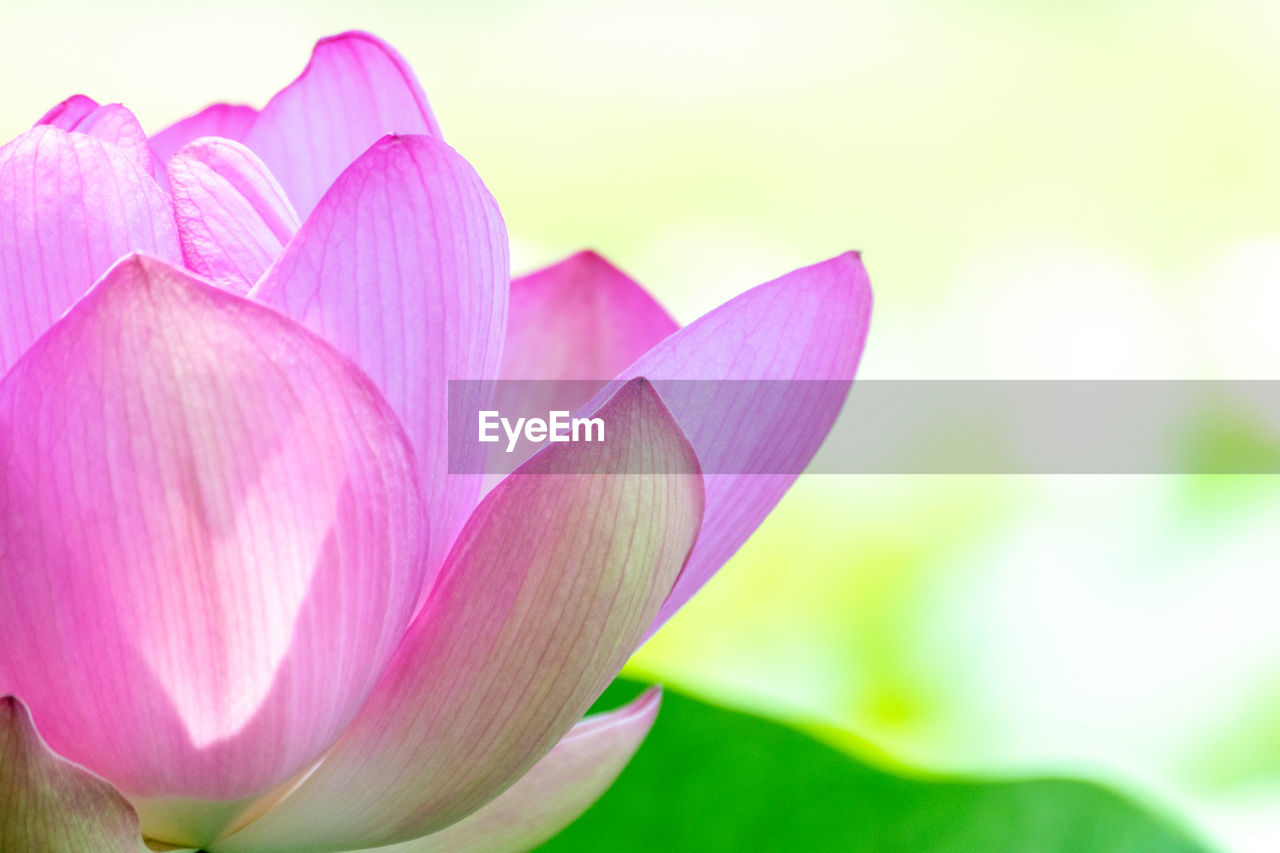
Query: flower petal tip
point(648, 702)
point(853, 260)
point(406, 142)
point(66, 113)
point(134, 268)
point(354, 88)
point(589, 258)
point(355, 35)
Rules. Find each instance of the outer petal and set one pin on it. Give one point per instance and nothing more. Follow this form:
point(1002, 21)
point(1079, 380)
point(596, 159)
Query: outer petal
point(403, 266)
point(65, 114)
point(50, 805)
point(355, 90)
point(114, 123)
point(555, 792)
point(233, 218)
point(580, 319)
point(229, 121)
point(548, 589)
point(210, 533)
point(70, 206)
point(809, 325)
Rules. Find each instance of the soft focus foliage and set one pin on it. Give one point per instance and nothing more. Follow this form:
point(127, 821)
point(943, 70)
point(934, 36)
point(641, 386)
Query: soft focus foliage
point(708, 778)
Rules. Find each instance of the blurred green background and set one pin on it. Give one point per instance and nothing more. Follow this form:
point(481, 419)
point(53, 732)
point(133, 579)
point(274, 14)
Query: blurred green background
point(1039, 190)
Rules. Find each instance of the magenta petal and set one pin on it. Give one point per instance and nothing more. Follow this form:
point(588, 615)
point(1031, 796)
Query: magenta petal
point(70, 206)
point(233, 217)
point(114, 123)
point(49, 804)
point(580, 319)
point(555, 792)
point(355, 90)
point(228, 121)
point(403, 266)
point(66, 114)
point(550, 586)
point(211, 543)
point(810, 325)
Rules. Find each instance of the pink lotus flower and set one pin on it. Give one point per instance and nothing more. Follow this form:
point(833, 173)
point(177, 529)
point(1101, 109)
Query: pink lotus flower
point(246, 604)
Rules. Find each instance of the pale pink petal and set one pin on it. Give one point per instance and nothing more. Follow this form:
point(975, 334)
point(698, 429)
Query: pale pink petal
point(581, 319)
point(211, 541)
point(546, 593)
point(753, 438)
point(228, 121)
point(555, 792)
point(49, 804)
point(65, 114)
point(233, 218)
point(70, 206)
point(403, 266)
point(114, 123)
point(355, 90)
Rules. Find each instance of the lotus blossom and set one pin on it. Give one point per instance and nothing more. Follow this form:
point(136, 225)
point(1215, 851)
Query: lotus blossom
point(247, 605)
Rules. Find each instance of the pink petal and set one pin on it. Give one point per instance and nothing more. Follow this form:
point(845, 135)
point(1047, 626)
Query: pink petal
point(403, 267)
point(115, 124)
point(50, 804)
point(65, 114)
point(555, 792)
point(808, 325)
point(229, 121)
point(233, 218)
point(211, 542)
point(355, 90)
point(580, 319)
point(549, 588)
point(70, 206)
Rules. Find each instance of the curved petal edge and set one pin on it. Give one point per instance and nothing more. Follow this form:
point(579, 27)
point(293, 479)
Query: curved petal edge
point(233, 217)
point(355, 89)
point(756, 384)
point(228, 121)
point(66, 114)
point(555, 793)
point(51, 805)
point(71, 205)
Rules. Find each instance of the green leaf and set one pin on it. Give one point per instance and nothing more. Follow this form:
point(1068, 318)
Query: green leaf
point(708, 779)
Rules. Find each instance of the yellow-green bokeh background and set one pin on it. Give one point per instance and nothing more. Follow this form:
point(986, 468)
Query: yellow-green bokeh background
point(1039, 189)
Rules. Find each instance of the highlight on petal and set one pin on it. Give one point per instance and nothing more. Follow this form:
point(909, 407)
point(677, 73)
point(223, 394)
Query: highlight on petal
point(66, 114)
point(233, 218)
point(227, 121)
point(49, 804)
point(555, 792)
point(71, 205)
point(211, 535)
point(547, 591)
point(114, 123)
point(403, 266)
point(807, 325)
point(355, 90)
point(579, 319)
